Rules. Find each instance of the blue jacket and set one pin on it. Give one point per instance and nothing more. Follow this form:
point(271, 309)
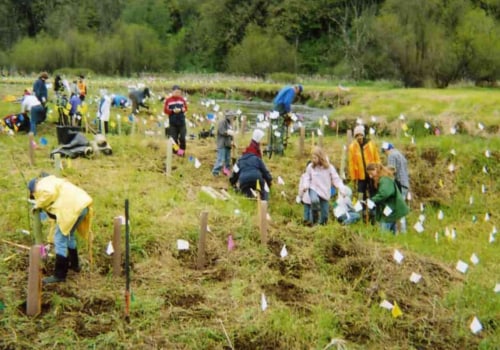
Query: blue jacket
point(251, 168)
point(40, 90)
point(285, 98)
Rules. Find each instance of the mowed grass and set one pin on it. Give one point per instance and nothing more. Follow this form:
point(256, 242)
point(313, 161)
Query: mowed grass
point(328, 287)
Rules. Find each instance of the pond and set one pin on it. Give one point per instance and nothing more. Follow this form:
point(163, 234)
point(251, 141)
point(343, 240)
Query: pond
point(252, 109)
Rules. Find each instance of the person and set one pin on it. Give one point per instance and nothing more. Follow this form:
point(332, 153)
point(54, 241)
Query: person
point(250, 175)
point(58, 87)
point(398, 163)
point(344, 210)
point(75, 102)
point(15, 123)
point(224, 140)
point(138, 98)
point(40, 89)
point(82, 88)
point(175, 107)
point(390, 205)
point(303, 197)
point(32, 105)
point(71, 208)
point(362, 151)
point(103, 111)
point(119, 101)
point(283, 100)
point(320, 176)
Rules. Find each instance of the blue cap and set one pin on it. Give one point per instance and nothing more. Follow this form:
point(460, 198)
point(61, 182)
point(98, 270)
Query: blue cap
point(300, 88)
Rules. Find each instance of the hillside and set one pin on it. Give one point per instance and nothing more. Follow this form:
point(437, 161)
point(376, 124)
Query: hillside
point(326, 293)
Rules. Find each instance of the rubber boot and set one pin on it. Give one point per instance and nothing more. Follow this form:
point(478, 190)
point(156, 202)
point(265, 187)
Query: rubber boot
point(73, 262)
point(60, 271)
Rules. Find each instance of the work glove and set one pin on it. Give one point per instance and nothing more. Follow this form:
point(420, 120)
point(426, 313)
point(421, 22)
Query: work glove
point(177, 110)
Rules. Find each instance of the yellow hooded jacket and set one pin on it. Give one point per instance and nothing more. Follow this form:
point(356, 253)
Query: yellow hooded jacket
point(64, 200)
point(356, 168)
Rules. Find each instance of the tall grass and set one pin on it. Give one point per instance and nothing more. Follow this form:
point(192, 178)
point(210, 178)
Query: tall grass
point(328, 287)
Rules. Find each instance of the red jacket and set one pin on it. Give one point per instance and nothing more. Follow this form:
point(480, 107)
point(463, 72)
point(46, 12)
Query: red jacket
point(173, 102)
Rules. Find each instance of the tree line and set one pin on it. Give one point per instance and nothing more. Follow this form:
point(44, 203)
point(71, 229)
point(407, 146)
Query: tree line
point(418, 42)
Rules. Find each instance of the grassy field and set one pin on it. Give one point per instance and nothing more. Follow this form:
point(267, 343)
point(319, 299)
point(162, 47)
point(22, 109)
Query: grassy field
point(326, 293)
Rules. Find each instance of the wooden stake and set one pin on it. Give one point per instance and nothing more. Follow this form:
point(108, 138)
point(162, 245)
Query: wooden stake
point(57, 164)
point(119, 122)
point(263, 222)
point(31, 148)
point(34, 301)
point(200, 262)
point(169, 156)
point(243, 125)
point(117, 247)
point(301, 140)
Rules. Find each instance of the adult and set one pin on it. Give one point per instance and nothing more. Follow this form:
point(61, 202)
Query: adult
point(398, 163)
point(362, 151)
point(138, 98)
point(32, 105)
point(250, 174)
point(390, 205)
point(71, 207)
point(175, 107)
point(119, 101)
point(283, 100)
point(104, 111)
point(40, 89)
point(224, 141)
point(58, 86)
point(75, 114)
point(320, 176)
point(82, 87)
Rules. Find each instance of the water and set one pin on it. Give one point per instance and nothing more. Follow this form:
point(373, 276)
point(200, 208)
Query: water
point(253, 108)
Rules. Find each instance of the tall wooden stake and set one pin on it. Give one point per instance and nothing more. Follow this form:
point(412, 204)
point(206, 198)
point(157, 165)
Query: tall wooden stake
point(57, 164)
point(200, 262)
point(301, 140)
point(263, 222)
point(127, 264)
point(117, 246)
point(169, 156)
point(31, 148)
point(34, 301)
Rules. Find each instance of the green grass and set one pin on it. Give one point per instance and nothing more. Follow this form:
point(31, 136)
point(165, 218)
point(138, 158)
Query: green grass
point(334, 278)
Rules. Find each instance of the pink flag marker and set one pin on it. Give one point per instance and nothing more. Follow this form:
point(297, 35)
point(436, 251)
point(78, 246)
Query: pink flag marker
point(230, 243)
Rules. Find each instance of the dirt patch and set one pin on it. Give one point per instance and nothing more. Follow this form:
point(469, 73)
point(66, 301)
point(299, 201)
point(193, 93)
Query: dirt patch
point(285, 291)
point(256, 340)
point(183, 300)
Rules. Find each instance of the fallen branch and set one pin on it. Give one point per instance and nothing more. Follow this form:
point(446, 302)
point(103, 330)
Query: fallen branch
point(16, 244)
point(225, 333)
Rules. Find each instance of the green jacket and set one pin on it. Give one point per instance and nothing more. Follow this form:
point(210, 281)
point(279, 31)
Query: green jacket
point(388, 195)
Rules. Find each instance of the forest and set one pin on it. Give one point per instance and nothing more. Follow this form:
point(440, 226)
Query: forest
point(419, 42)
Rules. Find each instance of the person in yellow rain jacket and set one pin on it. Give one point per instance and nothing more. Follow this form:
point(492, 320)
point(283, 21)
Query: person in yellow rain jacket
point(362, 151)
point(71, 208)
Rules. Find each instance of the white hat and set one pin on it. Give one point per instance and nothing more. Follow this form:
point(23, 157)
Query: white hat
point(360, 129)
point(257, 135)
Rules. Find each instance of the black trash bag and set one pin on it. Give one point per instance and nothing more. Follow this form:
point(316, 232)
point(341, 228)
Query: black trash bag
point(78, 147)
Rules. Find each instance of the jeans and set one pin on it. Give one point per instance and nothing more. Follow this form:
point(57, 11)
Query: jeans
point(62, 242)
point(353, 217)
point(388, 226)
point(307, 213)
point(36, 117)
point(321, 205)
point(223, 159)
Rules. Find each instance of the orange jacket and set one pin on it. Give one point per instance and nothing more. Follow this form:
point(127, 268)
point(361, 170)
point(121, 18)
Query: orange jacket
point(370, 151)
point(82, 88)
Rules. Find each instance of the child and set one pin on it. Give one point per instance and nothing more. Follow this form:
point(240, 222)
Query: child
point(303, 197)
point(320, 176)
point(344, 210)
